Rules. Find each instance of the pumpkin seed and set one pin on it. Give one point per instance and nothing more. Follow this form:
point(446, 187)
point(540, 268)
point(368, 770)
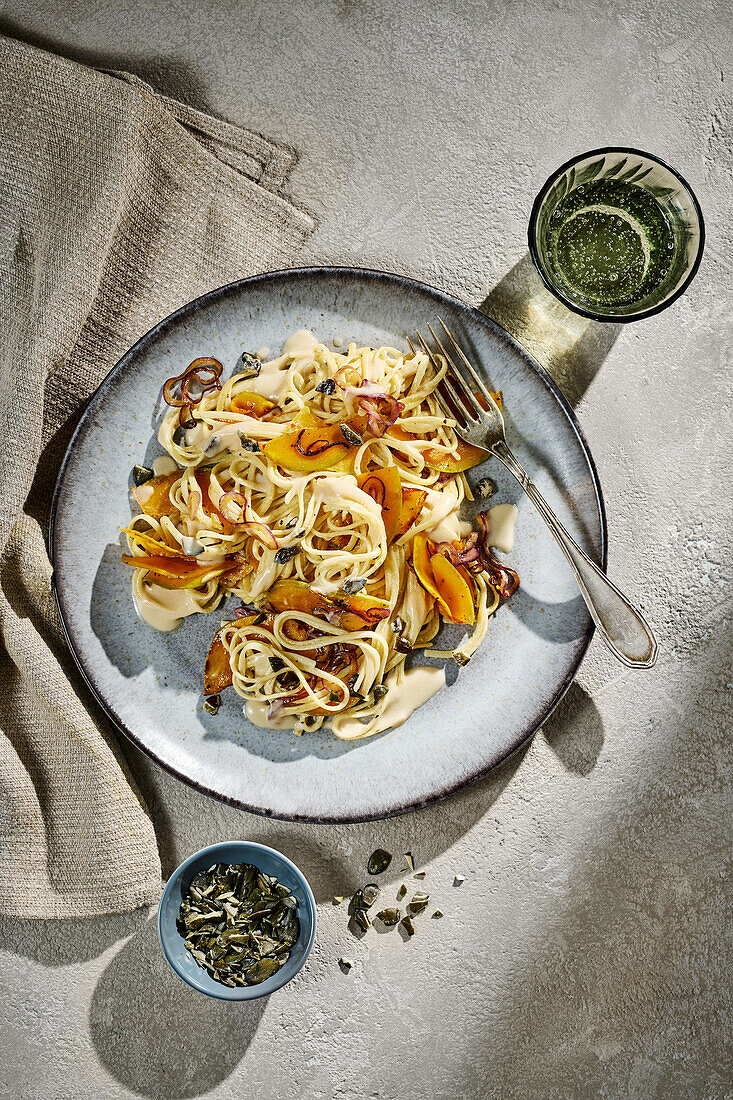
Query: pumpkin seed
point(379, 692)
point(351, 436)
point(212, 703)
point(420, 874)
point(370, 893)
point(389, 917)
point(355, 585)
point(485, 487)
point(338, 898)
point(379, 861)
point(418, 903)
point(437, 914)
point(409, 861)
point(361, 919)
point(247, 443)
point(141, 474)
point(286, 553)
point(238, 923)
point(346, 964)
point(401, 892)
point(408, 926)
point(248, 365)
point(459, 879)
point(460, 658)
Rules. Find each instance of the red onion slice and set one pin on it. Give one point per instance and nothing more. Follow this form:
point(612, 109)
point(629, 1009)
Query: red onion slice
point(502, 579)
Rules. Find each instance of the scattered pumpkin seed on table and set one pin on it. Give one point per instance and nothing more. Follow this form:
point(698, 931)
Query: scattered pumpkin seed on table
point(370, 894)
point(379, 861)
point(389, 917)
point(238, 923)
point(407, 924)
point(418, 903)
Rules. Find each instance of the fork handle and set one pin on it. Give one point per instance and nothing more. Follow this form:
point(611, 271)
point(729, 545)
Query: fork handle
point(622, 627)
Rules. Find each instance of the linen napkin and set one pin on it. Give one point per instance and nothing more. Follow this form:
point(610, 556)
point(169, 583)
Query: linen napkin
point(117, 205)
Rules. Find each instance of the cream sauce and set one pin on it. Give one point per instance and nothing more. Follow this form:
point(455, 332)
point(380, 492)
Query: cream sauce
point(263, 354)
point(502, 519)
point(143, 494)
point(227, 436)
point(164, 464)
point(326, 588)
point(342, 491)
point(165, 608)
point(419, 685)
point(271, 379)
point(256, 712)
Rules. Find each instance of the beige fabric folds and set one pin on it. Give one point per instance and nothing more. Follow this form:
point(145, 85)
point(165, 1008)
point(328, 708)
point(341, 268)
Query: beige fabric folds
point(117, 206)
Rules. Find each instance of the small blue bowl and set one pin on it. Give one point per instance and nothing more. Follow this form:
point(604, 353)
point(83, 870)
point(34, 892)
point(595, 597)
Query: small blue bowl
point(265, 859)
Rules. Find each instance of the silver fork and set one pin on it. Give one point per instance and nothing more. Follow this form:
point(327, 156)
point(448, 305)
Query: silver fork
point(622, 626)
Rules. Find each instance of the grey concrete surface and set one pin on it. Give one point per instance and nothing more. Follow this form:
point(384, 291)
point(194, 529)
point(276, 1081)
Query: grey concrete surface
point(585, 955)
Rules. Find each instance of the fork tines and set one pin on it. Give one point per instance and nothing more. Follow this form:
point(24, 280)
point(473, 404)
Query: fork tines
point(462, 396)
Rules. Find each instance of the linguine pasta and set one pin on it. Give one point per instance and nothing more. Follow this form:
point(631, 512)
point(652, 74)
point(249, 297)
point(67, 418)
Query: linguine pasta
point(322, 490)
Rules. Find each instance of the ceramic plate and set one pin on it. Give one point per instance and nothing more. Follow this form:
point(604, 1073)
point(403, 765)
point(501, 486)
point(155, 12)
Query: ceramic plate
point(150, 683)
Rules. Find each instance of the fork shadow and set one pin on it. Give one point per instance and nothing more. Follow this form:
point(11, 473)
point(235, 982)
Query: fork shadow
point(571, 348)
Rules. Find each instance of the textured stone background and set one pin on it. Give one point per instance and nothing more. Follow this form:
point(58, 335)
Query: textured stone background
point(585, 955)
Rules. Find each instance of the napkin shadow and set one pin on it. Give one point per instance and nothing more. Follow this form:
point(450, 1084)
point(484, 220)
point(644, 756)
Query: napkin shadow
point(170, 76)
point(60, 942)
point(571, 348)
point(156, 1035)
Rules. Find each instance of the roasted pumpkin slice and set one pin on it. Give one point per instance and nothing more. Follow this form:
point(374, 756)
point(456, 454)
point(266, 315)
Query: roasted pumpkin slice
point(454, 590)
point(308, 449)
point(175, 572)
point(217, 669)
point(154, 496)
point(412, 503)
point(384, 486)
point(252, 404)
point(421, 563)
point(468, 456)
point(146, 540)
point(351, 612)
point(356, 612)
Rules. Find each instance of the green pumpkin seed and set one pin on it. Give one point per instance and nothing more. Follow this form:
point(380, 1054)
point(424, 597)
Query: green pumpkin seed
point(238, 923)
point(141, 474)
point(389, 917)
point(370, 893)
point(418, 903)
point(379, 861)
point(408, 926)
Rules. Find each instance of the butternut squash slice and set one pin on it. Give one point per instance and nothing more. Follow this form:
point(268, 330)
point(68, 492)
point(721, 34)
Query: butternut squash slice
point(412, 503)
point(384, 486)
point(454, 591)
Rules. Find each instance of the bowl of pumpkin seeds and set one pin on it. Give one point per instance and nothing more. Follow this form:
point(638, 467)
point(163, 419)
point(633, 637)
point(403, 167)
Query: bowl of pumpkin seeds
point(237, 920)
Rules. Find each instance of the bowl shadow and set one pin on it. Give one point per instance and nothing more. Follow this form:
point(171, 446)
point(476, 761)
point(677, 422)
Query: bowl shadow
point(159, 1037)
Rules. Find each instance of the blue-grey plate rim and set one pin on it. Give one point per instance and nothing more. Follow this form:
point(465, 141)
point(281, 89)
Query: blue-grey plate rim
point(309, 273)
point(249, 992)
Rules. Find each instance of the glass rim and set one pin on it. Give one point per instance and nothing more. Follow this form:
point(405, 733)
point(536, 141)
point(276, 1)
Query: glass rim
point(582, 310)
